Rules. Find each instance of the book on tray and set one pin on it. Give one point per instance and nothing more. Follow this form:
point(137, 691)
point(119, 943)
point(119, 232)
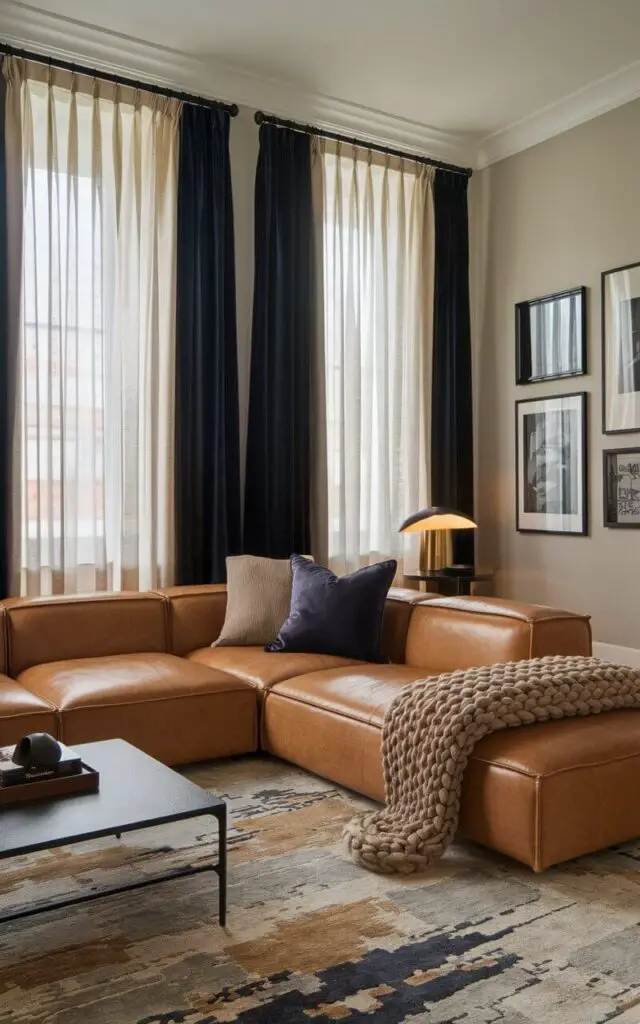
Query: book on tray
point(12, 774)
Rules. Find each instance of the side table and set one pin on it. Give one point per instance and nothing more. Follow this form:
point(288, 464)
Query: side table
point(451, 584)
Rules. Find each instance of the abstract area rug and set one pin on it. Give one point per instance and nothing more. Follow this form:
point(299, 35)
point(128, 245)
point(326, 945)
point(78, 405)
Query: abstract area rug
point(312, 937)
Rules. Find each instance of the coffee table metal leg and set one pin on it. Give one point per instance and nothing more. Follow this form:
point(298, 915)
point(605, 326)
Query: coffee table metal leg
point(222, 866)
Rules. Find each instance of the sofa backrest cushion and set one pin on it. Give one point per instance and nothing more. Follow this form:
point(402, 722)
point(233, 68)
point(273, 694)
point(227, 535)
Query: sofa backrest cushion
point(395, 621)
point(41, 630)
point(463, 632)
point(196, 615)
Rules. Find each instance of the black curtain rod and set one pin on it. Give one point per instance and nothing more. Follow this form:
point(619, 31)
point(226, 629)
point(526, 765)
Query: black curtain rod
point(105, 76)
point(308, 129)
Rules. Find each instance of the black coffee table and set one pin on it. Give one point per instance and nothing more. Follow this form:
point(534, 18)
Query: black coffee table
point(135, 792)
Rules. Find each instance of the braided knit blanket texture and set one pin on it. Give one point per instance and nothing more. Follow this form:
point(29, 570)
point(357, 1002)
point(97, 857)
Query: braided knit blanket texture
point(430, 731)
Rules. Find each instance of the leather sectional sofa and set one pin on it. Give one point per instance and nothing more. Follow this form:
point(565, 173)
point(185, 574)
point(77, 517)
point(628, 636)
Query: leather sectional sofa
point(141, 667)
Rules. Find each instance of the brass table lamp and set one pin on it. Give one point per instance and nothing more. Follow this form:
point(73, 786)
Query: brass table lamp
point(436, 544)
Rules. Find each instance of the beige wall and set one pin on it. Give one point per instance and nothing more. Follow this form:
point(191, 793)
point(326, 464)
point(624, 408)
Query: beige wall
point(554, 217)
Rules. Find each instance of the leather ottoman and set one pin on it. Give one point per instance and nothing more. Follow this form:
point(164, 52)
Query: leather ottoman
point(548, 793)
point(542, 794)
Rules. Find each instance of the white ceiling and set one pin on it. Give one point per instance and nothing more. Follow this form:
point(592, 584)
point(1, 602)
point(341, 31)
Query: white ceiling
point(473, 68)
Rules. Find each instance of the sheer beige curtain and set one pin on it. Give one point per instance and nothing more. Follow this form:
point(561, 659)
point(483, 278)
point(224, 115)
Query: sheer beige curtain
point(378, 266)
point(95, 433)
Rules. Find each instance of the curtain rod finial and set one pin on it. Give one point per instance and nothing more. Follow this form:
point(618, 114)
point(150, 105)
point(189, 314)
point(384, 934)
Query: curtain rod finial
point(258, 117)
point(234, 110)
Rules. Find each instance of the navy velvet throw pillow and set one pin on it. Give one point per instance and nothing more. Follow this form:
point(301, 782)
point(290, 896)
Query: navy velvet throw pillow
point(340, 615)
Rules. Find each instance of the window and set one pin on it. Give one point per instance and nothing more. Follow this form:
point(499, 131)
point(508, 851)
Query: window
point(95, 433)
point(62, 421)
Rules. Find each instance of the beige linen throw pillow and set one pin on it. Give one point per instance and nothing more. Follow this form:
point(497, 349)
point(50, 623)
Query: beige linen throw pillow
point(258, 600)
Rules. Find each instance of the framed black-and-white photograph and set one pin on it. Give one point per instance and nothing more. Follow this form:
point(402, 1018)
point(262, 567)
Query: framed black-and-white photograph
point(621, 350)
point(621, 487)
point(551, 464)
point(551, 336)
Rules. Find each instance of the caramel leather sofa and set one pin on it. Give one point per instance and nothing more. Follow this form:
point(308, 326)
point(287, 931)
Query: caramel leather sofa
point(141, 667)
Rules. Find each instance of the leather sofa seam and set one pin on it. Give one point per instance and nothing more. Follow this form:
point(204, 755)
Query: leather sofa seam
point(75, 602)
point(31, 711)
point(537, 830)
point(168, 624)
point(146, 700)
point(262, 687)
point(531, 620)
point(329, 710)
point(556, 771)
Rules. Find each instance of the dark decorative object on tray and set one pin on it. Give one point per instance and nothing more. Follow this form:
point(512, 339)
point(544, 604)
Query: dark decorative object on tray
point(340, 615)
point(34, 758)
point(40, 768)
point(621, 487)
point(551, 336)
point(551, 464)
point(37, 750)
point(621, 350)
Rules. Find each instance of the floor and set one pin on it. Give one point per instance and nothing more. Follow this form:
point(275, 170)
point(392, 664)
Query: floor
point(311, 937)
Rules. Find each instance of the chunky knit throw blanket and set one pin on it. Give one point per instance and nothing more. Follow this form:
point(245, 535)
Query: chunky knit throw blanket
point(430, 730)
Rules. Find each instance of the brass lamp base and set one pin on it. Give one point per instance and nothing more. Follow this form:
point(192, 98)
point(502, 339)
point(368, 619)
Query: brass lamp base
point(436, 550)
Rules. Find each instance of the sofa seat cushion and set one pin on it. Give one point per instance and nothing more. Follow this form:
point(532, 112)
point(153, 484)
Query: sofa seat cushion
point(331, 722)
point(174, 709)
point(363, 693)
point(263, 670)
point(22, 712)
point(580, 742)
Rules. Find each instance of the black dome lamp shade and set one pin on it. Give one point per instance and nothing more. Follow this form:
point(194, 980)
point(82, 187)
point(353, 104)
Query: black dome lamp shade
point(435, 524)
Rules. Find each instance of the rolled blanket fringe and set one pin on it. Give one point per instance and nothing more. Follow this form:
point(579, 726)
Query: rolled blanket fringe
point(430, 731)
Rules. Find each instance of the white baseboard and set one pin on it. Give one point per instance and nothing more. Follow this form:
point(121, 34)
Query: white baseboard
point(621, 655)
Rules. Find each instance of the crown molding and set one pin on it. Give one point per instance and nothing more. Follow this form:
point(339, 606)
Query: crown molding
point(24, 26)
point(601, 96)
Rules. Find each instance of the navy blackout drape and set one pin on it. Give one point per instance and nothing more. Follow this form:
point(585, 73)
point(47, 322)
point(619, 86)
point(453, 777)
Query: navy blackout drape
point(207, 476)
point(278, 473)
point(6, 388)
point(452, 406)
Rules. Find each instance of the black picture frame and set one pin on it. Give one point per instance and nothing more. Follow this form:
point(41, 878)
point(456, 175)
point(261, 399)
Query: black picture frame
point(524, 359)
point(620, 415)
point(611, 498)
point(549, 520)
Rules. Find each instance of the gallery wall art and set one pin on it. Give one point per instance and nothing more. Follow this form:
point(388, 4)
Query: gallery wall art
point(621, 350)
point(551, 464)
point(551, 336)
point(621, 487)
point(551, 432)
